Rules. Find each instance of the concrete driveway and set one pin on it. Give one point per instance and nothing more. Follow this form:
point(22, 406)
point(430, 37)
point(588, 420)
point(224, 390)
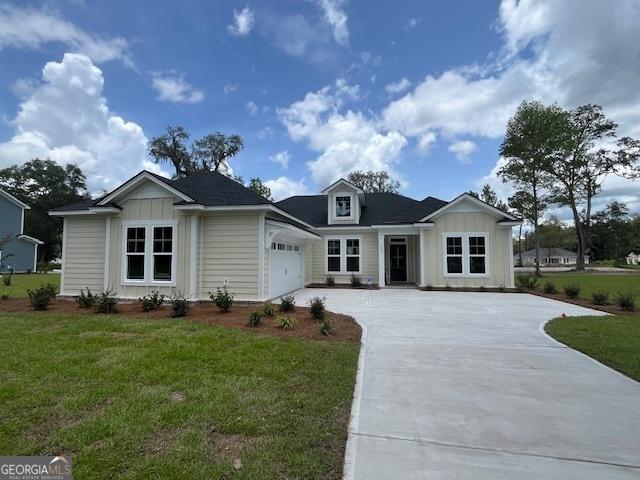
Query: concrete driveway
point(467, 386)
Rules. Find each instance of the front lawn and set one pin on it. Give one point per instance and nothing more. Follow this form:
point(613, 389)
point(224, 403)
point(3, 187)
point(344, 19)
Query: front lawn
point(161, 398)
point(612, 340)
point(592, 282)
point(20, 282)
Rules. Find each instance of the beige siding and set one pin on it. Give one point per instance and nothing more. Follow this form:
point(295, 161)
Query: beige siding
point(84, 254)
point(368, 257)
point(477, 222)
point(308, 262)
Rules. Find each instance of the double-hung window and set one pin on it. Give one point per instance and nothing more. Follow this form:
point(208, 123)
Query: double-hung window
point(466, 254)
point(149, 253)
point(477, 255)
point(162, 253)
point(333, 255)
point(343, 206)
point(343, 255)
point(135, 253)
point(353, 254)
point(454, 255)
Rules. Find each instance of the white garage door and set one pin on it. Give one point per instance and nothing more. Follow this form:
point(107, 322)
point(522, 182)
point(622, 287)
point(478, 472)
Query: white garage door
point(286, 268)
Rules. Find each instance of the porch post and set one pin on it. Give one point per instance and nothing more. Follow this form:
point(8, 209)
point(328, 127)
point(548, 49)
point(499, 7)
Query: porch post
point(423, 265)
point(193, 256)
point(381, 279)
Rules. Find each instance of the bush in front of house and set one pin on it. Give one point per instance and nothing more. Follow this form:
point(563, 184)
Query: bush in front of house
point(600, 298)
point(6, 280)
point(572, 290)
point(223, 298)
point(86, 299)
point(326, 327)
point(286, 322)
point(626, 301)
point(355, 281)
point(267, 309)
point(316, 307)
point(152, 301)
point(288, 303)
point(179, 304)
point(106, 302)
point(41, 296)
point(526, 281)
point(4, 296)
point(255, 319)
point(549, 287)
point(330, 281)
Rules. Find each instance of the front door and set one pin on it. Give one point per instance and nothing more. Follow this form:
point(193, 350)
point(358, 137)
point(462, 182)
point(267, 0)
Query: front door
point(398, 259)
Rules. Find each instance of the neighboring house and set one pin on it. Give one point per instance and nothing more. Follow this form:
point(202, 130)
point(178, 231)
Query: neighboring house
point(549, 256)
point(633, 259)
point(20, 254)
point(204, 231)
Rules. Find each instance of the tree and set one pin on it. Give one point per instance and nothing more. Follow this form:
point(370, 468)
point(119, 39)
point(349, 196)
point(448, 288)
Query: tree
point(372, 182)
point(4, 241)
point(489, 195)
point(260, 188)
point(612, 233)
point(531, 140)
point(584, 159)
point(171, 147)
point(43, 185)
point(521, 203)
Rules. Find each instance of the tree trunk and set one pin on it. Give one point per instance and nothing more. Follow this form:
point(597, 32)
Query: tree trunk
point(536, 215)
point(579, 238)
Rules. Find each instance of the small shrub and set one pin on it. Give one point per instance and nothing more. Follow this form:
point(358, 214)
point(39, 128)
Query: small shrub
point(153, 301)
point(549, 287)
point(526, 281)
point(41, 296)
point(86, 299)
point(179, 304)
point(326, 327)
point(106, 302)
point(355, 281)
point(626, 301)
point(288, 303)
point(267, 309)
point(316, 307)
point(255, 319)
point(429, 287)
point(6, 280)
point(572, 290)
point(4, 296)
point(222, 298)
point(330, 281)
point(502, 288)
point(286, 322)
point(600, 298)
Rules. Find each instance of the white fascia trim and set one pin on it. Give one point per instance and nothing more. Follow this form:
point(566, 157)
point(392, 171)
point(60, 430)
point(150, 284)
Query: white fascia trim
point(13, 199)
point(466, 196)
point(298, 231)
point(104, 209)
point(68, 213)
point(135, 181)
point(509, 224)
point(30, 239)
point(342, 181)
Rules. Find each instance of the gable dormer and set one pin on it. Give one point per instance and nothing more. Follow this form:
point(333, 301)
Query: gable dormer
point(344, 202)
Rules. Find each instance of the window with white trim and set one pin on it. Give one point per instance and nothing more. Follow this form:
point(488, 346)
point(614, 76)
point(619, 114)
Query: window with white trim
point(333, 255)
point(149, 254)
point(353, 254)
point(162, 253)
point(136, 253)
point(454, 255)
point(343, 206)
point(343, 255)
point(466, 254)
point(477, 255)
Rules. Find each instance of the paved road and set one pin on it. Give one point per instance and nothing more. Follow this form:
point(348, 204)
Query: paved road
point(465, 386)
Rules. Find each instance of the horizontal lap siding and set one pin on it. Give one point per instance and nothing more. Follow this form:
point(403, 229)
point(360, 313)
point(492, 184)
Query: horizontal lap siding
point(84, 254)
point(368, 257)
point(229, 249)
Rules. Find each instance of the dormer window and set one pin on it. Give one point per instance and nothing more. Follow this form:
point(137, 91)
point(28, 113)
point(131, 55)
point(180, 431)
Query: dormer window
point(343, 206)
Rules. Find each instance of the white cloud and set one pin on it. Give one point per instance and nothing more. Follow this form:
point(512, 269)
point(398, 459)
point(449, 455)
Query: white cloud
point(24, 87)
point(29, 28)
point(252, 108)
point(398, 87)
point(462, 150)
point(412, 23)
point(284, 187)
point(172, 87)
point(281, 158)
point(67, 120)
point(426, 141)
point(243, 22)
point(335, 16)
point(229, 88)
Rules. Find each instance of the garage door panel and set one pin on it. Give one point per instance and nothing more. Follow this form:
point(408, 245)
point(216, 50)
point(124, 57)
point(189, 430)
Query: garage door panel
point(285, 271)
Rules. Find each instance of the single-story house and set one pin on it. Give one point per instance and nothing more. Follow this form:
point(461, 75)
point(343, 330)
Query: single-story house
point(633, 259)
point(204, 231)
point(18, 252)
point(549, 256)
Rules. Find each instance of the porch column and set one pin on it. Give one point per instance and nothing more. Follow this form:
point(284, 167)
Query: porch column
point(381, 281)
point(423, 265)
point(193, 256)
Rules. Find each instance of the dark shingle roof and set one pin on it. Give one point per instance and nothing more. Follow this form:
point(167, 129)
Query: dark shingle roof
point(76, 206)
point(214, 189)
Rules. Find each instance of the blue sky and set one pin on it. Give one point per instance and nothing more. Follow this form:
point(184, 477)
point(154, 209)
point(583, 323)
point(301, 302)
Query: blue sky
point(315, 87)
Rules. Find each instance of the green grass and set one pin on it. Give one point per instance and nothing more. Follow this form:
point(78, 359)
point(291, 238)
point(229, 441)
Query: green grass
point(22, 281)
point(100, 388)
point(591, 282)
point(612, 340)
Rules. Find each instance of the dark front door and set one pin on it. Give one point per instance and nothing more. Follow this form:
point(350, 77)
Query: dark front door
point(398, 259)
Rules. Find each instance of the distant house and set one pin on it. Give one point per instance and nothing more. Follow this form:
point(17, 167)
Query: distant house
point(20, 254)
point(633, 259)
point(549, 256)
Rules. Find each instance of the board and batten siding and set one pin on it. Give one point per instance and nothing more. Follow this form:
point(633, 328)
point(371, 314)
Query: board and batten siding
point(368, 257)
point(84, 247)
point(465, 222)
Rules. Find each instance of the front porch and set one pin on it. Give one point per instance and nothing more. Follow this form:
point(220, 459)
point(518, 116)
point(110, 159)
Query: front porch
point(400, 251)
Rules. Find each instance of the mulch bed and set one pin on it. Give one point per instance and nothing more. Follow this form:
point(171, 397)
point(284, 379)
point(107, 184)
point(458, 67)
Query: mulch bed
point(343, 286)
point(345, 328)
point(613, 309)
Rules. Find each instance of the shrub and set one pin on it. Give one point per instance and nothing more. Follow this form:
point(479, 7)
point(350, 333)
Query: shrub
point(330, 281)
point(549, 287)
point(153, 301)
point(316, 307)
point(326, 327)
point(288, 303)
point(41, 296)
point(106, 302)
point(6, 280)
point(600, 298)
point(86, 300)
point(222, 298)
point(267, 309)
point(355, 281)
point(502, 288)
point(626, 301)
point(4, 296)
point(526, 281)
point(286, 322)
point(179, 304)
point(572, 290)
point(429, 287)
point(255, 319)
